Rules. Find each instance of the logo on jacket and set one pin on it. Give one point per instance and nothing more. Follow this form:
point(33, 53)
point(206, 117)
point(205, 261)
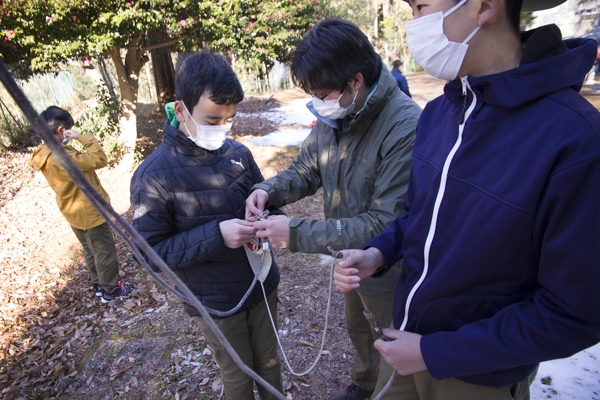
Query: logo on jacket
point(238, 163)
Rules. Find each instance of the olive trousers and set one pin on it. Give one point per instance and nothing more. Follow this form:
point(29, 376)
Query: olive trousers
point(251, 335)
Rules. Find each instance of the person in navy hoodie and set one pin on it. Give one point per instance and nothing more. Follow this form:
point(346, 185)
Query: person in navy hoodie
point(500, 240)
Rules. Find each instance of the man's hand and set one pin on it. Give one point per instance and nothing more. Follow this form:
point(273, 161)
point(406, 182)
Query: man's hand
point(71, 134)
point(356, 265)
point(276, 228)
point(236, 232)
point(403, 353)
point(255, 204)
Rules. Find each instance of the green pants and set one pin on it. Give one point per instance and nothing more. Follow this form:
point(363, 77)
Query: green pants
point(365, 368)
point(422, 386)
point(252, 337)
point(100, 254)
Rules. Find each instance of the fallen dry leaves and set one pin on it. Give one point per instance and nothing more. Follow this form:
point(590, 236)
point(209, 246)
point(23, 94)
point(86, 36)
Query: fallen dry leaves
point(57, 340)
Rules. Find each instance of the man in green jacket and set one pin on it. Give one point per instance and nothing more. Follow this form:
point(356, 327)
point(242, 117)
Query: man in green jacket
point(359, 152)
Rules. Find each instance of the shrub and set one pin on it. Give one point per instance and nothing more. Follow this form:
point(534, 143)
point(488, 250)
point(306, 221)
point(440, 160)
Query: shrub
point(103, 122)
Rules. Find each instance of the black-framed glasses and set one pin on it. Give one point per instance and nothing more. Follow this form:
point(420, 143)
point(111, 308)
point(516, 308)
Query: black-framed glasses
point(322, 98)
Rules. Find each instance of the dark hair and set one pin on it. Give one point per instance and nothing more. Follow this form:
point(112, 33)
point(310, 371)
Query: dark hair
point(396, 64)
point(56, 116)
point(513, 14)
point(331, 54)
point(205, 73)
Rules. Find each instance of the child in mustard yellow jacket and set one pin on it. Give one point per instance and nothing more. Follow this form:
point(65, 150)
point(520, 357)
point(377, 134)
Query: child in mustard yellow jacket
point(89, 226)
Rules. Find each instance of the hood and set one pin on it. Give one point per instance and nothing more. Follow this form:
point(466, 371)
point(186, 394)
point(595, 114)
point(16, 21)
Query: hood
point(384, 89)
point(39, 157)
point(171, 118)
point(549, 64)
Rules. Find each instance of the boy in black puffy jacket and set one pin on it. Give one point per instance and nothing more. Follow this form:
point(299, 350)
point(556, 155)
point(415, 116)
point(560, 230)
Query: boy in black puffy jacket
point(188, 201)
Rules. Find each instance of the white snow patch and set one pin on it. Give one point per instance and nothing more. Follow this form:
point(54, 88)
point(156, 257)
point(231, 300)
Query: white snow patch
point(292, 137)
point(573, 378)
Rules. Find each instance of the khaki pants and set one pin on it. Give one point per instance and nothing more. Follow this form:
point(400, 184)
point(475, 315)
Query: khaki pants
point(251, 335)
point(100, 254)
point(365, 368)
point(422, 386)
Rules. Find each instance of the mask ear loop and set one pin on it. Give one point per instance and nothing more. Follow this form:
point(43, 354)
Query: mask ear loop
point(185, 123)
point(456, 7)
point(471, 35)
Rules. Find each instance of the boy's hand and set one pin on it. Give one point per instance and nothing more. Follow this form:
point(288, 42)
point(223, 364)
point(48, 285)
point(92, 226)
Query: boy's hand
point(236, 232)
point(71, 134)
point(403, 353)
point(255, 204)
point(276, 228)
point(356, 265)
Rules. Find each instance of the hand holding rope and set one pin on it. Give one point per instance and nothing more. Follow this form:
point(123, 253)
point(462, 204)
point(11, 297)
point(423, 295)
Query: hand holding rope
point(339, 256)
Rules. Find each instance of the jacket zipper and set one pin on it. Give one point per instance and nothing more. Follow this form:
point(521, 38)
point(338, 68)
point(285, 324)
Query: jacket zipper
point(463, 117)
point(224, 184)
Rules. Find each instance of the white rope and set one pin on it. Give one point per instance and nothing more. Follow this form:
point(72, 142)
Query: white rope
point(287, 363)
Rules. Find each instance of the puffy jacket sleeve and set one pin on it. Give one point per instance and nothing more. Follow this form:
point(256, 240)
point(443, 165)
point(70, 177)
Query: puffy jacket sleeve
point(152, 207)
point(93, 158)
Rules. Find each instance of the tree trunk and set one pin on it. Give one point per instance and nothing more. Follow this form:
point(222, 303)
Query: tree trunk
point(107, 80)
point(164, 76)
point(128, 77)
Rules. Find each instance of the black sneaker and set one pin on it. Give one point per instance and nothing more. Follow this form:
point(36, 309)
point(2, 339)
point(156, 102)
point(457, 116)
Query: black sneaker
point(122, 291)
point(97, 289)
point(353, 392)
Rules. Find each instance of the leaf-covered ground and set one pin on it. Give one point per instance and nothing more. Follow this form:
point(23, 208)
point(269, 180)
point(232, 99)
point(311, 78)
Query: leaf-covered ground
point(59, 341)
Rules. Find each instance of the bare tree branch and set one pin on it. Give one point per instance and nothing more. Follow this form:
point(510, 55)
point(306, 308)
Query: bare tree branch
point(170, 41)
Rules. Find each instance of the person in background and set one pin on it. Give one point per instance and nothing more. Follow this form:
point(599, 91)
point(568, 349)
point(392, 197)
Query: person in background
point(400, 78)
point(188, 202)
point(501, 263)
point(91, 229)
point(359, 152)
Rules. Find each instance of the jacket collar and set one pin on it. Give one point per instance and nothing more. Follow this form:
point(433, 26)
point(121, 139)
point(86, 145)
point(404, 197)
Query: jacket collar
point(377, 99)
point(548, 65)
point(177, 141)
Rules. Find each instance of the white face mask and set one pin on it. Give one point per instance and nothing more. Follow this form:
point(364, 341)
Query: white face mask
point(331, 108)
point(209, 137)
point(431, 48)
